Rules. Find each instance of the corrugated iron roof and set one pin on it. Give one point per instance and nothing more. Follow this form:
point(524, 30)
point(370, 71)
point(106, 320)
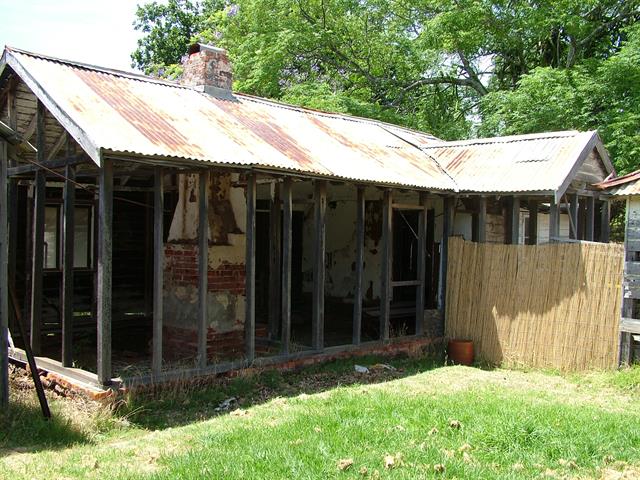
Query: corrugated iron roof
point(624, 186)
point(129, 114)
point(111, 112)
point(520, 163)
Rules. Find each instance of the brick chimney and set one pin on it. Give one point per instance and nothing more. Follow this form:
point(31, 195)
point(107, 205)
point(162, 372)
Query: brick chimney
point(207, 68)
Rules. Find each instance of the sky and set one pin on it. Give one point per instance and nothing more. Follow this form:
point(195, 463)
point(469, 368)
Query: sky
point(99, 32)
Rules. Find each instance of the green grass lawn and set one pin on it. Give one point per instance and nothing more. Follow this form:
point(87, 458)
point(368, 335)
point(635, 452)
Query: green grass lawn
point(420, 421)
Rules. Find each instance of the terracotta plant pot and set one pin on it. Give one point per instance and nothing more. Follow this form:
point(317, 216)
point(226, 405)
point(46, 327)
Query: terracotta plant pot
point(460, 351)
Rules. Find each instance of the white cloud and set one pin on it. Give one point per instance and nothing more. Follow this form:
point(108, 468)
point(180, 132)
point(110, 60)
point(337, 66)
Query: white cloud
point(90, 31)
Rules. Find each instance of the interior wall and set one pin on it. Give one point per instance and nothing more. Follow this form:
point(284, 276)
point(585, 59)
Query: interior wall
point(341, 239)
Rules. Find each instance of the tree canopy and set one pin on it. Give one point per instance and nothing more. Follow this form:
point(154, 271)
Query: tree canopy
point(455, 68)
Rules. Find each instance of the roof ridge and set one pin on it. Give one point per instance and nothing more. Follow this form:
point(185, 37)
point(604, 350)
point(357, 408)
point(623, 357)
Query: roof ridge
point(106, 70)
point(507, 139)
point(343, 116)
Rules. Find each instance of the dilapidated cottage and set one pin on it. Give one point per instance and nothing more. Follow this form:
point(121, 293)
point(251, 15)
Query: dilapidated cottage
point(153, 230)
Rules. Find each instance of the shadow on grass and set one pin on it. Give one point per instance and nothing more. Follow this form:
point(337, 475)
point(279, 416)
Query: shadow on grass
point(180, 404)
point(23, 428)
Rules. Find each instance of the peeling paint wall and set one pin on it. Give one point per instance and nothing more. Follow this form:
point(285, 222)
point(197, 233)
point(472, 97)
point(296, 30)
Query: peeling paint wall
point(227, 208)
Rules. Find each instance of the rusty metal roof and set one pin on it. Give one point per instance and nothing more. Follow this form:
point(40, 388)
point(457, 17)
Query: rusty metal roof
point(625, 186)
point(123, 113)
point(128, 115)
point(520, 163)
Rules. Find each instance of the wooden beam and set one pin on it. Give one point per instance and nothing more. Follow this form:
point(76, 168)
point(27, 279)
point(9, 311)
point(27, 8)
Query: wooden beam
point(12, 194)
point(320, 209)
point(447, 230)
point(512, 220)
point(158, 270)
point(422, 264)
point(31, 128)
point(574, 202)
point(250, 271)
point(627, 308)
point(4, 281)
point(407, 206)
point(532, 205)
point(482, 219)
point(68, 237)
point(386, 272)
point(37, 262)
point(554, 219)
point(203, 262)
point(605, 227)
point(357, 296)
point(275, 267)
point(630, 325)
point(105, 262)
point(72, 159)
point(12, 110)
point(589, 233)
point(62, 139)
point(286, 263)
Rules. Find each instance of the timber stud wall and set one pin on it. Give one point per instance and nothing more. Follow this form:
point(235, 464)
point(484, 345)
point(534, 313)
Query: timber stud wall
point(548, 306)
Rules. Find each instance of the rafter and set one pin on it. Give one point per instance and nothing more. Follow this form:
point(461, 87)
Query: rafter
point(57, 146)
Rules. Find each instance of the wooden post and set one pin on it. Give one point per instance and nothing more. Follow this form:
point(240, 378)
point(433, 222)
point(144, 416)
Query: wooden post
point(68, 238)
point(37, 256)
point(532, 206)
point(317, 321)
point(286, 263)
point(627, 311)
point(385, 280)
point(482, 219)
point(275, 253)
point(447, 229)
point(422, 264)
point(250, 271)
point(515, 221)
point(554, 219)
point(573, 215)
point(13, 194)
point(203, 262)
point(605, 227)
point(105, 222)
point(589, 231)
point(357, 296)
point(4, 281)
point(158, 269)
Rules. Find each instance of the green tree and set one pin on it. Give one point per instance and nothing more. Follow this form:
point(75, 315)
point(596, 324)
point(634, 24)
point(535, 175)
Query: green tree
point(455, 68)
point(602, 95)
point(168, 29)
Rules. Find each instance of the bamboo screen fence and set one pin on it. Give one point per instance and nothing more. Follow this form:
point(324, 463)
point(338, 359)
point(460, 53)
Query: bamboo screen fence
point(550, 306)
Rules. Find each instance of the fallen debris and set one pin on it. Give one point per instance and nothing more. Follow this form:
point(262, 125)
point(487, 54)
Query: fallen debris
point(226, 404)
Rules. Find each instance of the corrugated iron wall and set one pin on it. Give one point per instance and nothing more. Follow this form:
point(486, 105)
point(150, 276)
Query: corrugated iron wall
point(549, 306)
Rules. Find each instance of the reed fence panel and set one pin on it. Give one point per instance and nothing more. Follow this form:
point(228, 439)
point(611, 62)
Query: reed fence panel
point(550, 306)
